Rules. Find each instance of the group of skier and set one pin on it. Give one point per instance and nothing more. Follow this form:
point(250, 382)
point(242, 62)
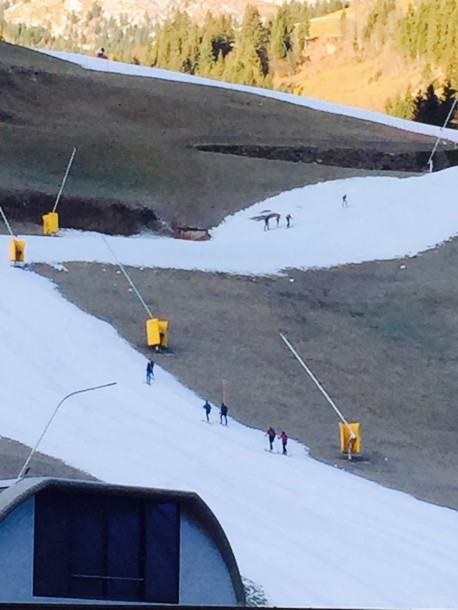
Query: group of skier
point(271, 434)
point(277, 219)
point(289, 218)
point(283, 437)
point(222, 412)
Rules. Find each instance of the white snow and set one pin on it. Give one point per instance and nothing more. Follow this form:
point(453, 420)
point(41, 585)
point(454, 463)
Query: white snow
point(309, 534)
point(385, 218)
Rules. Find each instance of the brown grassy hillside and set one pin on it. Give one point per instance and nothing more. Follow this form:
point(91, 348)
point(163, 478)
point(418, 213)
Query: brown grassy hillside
point(137, 142)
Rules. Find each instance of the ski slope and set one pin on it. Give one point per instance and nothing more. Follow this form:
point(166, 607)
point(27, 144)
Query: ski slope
point(308, 534)
point(386, 218)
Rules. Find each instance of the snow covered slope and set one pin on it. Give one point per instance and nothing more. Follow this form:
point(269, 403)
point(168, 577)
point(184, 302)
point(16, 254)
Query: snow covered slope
point(310, 534)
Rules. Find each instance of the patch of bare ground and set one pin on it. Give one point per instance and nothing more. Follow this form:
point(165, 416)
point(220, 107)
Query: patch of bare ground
point(14, 454)
point(381, 338)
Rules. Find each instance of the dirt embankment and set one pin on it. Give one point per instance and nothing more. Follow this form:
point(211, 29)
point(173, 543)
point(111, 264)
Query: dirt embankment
point(14, 454)
point(355, 158)
point(112, 217)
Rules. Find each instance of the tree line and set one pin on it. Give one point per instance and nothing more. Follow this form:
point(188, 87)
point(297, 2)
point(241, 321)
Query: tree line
point(253, 50)
point(220, 47)
point(426, 35)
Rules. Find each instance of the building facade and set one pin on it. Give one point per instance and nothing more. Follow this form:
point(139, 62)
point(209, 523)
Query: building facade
point(76, 541)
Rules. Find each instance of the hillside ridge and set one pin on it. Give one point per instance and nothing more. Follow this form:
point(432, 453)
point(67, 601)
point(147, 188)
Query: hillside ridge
point(138, 142)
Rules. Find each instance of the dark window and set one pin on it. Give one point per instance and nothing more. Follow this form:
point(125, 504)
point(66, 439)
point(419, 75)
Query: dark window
point(105, 547)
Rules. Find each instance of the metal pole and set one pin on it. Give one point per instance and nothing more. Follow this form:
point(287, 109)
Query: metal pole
point(436, 144)
point(224, 383)
point(5, 220)
point(318, 385)
point(30, 456)
point(64, 180)
point(126, 275)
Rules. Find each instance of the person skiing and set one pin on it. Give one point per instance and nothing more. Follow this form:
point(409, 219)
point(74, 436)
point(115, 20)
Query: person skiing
point(277, 218)
point(149, 371)
point(271, 434)
point(344, 201)
point(223, 414)
point(208, 408)
point(288, 220)
point(284, 440)
point(266, 223)
point(100, 53)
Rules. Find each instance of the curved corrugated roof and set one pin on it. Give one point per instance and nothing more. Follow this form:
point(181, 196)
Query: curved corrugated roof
point(19, 492)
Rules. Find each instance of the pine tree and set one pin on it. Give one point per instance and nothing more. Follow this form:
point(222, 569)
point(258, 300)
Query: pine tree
point(427, 107)
point(447, 102)
point(253, 39)
point(206, 59)
point(402, 107)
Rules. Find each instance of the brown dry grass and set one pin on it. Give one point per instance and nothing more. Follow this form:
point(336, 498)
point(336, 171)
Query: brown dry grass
point(342, 77)
point(364, 84)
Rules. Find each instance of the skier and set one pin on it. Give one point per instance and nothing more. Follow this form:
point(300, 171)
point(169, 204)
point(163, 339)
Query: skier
point(149, 372)
point(344, 201)
point(277, 218)
point(208, 408)
point(223, 414)
point(266, 223)
point(288, 220)
point(284, 439)
point(100, 53)
point(271, 434)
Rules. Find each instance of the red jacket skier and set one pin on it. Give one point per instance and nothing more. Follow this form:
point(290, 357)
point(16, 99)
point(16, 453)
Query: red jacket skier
point(284, 440)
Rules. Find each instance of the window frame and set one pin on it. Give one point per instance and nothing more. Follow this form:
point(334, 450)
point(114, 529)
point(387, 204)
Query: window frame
point(57, 565)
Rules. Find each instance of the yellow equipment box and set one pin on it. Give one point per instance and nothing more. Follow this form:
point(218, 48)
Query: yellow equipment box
point(50, 223)
point(156, 333)
point(17, 250)
point(347, 444)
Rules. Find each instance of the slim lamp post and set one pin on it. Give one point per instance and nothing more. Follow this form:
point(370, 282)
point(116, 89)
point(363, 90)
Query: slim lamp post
point(24, 468)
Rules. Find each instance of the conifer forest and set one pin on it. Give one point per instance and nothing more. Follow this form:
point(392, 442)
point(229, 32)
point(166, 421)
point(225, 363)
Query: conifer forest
point(254, 50)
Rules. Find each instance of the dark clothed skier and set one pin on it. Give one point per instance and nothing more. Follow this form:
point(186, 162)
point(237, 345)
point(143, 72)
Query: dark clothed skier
point(344, 201)
point(271, 434)
point(266, 223)
point(223, 414)
point(288, 220)
point(208, 408)
point(149, 371)
point(284, 440)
